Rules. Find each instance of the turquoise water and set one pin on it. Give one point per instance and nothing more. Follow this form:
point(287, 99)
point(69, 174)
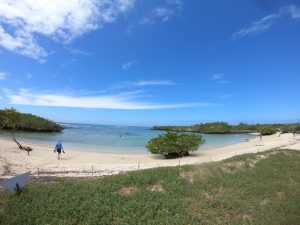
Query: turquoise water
point(112, 139)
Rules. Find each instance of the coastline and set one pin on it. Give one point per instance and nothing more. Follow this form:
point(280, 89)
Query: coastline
point(42, 161)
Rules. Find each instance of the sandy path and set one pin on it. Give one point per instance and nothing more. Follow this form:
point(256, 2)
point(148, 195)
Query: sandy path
point(78, 163)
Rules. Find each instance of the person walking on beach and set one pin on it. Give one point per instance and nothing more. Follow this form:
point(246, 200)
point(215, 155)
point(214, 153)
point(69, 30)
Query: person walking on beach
point(260, 136)
point(59, 148)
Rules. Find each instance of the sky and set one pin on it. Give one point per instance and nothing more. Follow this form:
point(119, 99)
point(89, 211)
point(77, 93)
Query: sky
point(158, 62)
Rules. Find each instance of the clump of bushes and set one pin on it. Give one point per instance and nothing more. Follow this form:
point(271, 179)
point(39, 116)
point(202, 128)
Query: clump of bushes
point(214, 128)
point(225, 128)
point(268, 130)
point(11, 119)
point(175, 144)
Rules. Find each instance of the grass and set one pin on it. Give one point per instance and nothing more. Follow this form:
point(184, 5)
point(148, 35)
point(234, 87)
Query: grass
point(261, 188)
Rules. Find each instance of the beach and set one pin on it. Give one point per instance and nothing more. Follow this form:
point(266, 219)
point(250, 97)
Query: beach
point(43, 162)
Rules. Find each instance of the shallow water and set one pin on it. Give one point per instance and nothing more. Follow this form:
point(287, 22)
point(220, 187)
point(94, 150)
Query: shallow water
point(113, 139)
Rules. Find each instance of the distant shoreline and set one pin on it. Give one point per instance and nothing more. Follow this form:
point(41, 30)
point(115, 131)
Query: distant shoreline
point(225, 128)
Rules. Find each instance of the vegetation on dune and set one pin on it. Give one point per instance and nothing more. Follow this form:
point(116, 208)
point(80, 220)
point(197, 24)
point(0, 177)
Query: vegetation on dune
point(11, 119)
point(175, 144)
point(225, 128)
point(258, 188)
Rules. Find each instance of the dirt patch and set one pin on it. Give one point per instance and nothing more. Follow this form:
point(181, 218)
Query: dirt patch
point(5, 169)
point(247, 217)
point(280, 194)
point(233, 166)
point(156, 188)
point(274, 153)
point(202, 174)
point(207, 195)
point(127, 191)
point(189, 176)
point(239, 165)
point(264, 202)
point(258, 157)
point(218, 192)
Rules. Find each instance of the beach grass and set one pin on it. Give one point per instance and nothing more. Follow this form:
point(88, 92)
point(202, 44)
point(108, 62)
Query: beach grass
point(261, 188)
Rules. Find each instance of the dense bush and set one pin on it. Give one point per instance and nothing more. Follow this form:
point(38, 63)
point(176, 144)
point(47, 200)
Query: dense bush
point(11, 119)
point(225, 128)
point(267, 130)
point(214, 128)
point(175, 144)
point(206, 128)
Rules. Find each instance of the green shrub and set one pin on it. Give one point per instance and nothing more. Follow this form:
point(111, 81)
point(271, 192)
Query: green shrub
point(175, 144)
point(11, 119)
point(268, 130)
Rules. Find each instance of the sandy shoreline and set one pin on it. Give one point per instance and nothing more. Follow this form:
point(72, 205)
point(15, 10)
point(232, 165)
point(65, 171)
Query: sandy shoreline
point(43, 162)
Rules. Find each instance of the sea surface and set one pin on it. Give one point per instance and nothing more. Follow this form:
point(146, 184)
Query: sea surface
point(111, 138)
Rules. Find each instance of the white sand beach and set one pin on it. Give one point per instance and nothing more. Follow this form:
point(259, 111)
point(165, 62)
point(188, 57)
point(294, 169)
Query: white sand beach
point(43, 162)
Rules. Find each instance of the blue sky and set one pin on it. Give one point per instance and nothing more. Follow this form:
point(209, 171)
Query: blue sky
point(133, 62)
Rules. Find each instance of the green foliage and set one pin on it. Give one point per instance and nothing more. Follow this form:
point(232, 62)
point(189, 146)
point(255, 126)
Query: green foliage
point(225, 128)
point(206, 128)
point(267, 130)
point(214, 128)
point(267, 193)
point(175, 144)
point(10, 119)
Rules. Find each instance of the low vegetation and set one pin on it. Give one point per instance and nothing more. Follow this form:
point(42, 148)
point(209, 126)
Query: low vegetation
point(175, 144)
point(11, 119)
point(267, 130)
point(258, 188)
point(225, 128)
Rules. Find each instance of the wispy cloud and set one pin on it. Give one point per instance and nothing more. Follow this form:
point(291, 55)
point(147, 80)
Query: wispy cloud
point(3, 75)
point(68, 62)
point(28, 76)
point(151, 83)
point(117, 101)
point(257, 27)
point(293, 10)
point(222, 95)
point(129, 64)
point(23, 21)
point(76, 51)
point(219, 78)
point(163, 13)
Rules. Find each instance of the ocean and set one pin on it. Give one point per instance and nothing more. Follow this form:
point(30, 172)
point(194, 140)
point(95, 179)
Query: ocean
point(111, 138)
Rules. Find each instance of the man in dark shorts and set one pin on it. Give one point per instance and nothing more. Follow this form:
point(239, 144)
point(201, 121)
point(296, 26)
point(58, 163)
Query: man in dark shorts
point(59, 148)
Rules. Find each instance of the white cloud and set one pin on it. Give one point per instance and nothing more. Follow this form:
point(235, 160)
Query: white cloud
point(129, 64)
point(151, 83)
point(163, 13)
point(158, 14)
point(75, 51)
point(217, 76)
point(177, 3)
point(257, 27)
point(23, 22)
point(117, 101)
point(293, 10)
point(3, 75)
